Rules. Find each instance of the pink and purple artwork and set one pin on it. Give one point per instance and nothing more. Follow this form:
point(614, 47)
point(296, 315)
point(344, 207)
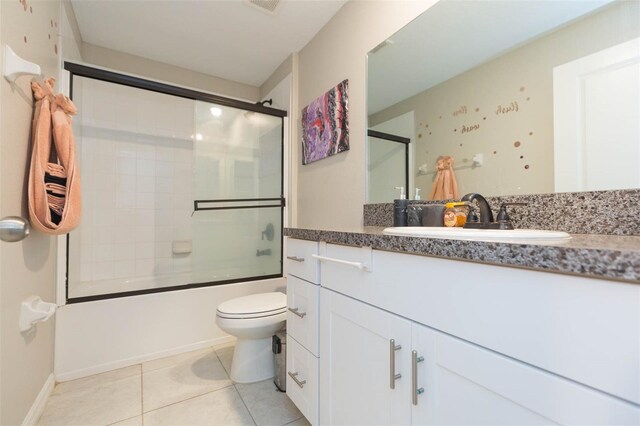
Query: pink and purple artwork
point(325, 127)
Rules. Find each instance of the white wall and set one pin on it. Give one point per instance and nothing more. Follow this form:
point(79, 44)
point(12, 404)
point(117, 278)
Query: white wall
point(93, 337)
point(137, 65)
point(27, 267)
point(282, 87)
point(331, 192)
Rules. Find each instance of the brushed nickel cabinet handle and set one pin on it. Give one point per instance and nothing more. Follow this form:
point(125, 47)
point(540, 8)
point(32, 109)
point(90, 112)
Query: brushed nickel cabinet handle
point(294, 376)
point(415, 390)
point(296, 312)
point(392, 363)
point(296, 258)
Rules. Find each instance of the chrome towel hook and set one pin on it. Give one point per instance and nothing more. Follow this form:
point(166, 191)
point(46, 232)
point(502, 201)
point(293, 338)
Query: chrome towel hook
point(14, 229)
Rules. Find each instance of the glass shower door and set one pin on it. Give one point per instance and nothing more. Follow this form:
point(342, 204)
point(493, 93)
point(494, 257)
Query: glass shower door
point(177, 192)
point(238, 205)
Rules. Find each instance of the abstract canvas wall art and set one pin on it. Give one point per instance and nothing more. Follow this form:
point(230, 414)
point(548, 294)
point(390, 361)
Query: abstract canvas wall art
point(325, 126)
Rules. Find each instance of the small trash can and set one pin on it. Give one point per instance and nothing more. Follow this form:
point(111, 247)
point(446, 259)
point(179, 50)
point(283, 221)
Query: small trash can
point(279, 348)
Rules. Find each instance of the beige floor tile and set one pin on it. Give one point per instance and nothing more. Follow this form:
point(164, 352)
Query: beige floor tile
point(300, 422)
point(267, 405)
point(223, 407)
point(133, 421)
point(185, 379)
point(225, 353)
point(98, 400)
point(173, 360)
point(100, 379)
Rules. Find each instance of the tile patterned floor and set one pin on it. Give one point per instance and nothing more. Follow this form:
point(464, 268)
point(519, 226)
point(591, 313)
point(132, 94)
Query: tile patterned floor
point(187, 389)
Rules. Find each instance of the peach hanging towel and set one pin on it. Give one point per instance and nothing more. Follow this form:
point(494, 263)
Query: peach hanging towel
point(445, 186)
point(54, 182)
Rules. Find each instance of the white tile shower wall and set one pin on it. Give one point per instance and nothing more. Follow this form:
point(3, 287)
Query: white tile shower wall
point(137, 167)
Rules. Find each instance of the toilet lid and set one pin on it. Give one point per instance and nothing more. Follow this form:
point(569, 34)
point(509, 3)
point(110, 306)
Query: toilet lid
point(254, 305)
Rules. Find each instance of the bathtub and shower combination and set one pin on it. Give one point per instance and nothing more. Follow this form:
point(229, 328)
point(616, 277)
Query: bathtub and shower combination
point(183, 208)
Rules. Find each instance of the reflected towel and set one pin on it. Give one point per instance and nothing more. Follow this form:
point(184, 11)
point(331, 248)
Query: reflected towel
point(54, 182)
point(445, 185)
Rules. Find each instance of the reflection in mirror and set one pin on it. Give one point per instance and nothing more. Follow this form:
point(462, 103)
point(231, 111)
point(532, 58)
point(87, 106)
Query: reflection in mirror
point(388, 153)
point(526, 96)
point(388, 164)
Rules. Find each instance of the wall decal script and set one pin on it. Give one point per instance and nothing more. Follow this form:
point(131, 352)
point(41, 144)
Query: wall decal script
point(470, 128)
point(512, 107)
point(461, 110)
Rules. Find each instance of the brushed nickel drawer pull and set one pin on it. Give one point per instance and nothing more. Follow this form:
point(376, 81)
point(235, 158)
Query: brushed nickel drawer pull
point(392, 363)
point(294, 376)
point(296, 258)
point(295, 312)
point(415, 359)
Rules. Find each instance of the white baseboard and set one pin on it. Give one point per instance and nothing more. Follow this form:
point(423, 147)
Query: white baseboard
point(36, 410)
point(77, 374)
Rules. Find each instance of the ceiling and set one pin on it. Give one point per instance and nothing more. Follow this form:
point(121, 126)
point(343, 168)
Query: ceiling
point(231, 39)
point(457, 35)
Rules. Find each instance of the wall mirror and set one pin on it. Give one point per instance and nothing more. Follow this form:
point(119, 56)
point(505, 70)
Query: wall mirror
point(526, 97)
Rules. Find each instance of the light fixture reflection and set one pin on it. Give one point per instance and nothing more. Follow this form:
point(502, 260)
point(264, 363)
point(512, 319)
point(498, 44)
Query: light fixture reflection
point(215, 111)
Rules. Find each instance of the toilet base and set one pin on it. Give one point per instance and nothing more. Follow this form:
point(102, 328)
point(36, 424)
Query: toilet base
point(252, 361)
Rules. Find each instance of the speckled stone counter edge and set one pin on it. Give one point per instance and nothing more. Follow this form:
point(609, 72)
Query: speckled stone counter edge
point(595, 212)
point(594, 263)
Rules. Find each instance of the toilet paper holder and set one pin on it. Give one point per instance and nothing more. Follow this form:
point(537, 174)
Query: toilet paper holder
point(34, 310)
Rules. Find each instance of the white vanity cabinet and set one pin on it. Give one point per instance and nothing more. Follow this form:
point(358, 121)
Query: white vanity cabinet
point(406, 339)
point(364, 365)
point(302, 326)
point(487, 343)
point(465, 384)
point(365, 381)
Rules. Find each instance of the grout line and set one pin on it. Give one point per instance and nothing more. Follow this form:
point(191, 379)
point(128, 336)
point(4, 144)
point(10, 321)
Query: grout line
point(128, 418)
point(245, 405)
point(222, 364)
point(141, 395)
point(293, 421)
point(236, 388)
point(187, 399)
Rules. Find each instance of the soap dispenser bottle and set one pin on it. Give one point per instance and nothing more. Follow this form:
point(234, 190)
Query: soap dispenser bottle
point(400, 208)
point(414, 211)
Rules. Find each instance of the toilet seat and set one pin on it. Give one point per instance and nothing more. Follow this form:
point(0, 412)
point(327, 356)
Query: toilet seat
point(253, 306)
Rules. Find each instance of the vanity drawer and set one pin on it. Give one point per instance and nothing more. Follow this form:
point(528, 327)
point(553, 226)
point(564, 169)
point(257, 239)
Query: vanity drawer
point(302, 313)
point(302, 379)
point(344, 267)
point(299, 261)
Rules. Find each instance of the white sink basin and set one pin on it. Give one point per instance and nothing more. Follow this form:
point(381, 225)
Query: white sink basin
point(493, 235)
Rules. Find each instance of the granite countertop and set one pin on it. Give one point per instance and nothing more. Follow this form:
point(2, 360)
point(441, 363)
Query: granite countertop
point(597, 256)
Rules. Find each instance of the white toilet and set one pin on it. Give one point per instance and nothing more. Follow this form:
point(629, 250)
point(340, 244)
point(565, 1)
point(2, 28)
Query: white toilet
point(253, 320)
